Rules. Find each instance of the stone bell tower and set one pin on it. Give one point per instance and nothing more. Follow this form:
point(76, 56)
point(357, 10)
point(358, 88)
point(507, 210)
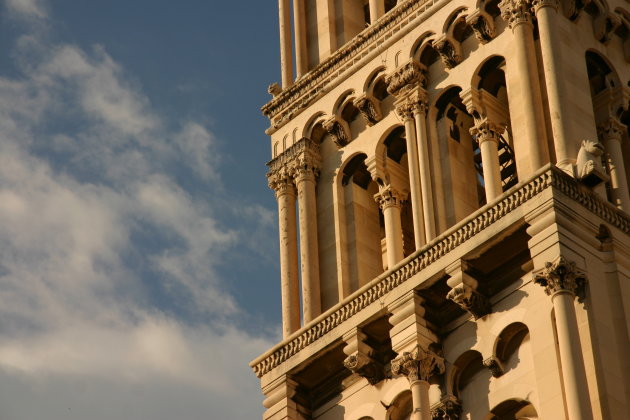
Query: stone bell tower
point(453, 210)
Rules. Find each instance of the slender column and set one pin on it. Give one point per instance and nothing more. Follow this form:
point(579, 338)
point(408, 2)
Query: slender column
point(546, 11)
point(406, 115)
point(420, 116)
point(610, 134)
point(286, 57)
point(301, 49)
point(305, 175)
point(561, 280)
point(390, 202)
point(419, 365)
point(285, 195)
point(529, 101)
point(377, 9)
point(487, 135)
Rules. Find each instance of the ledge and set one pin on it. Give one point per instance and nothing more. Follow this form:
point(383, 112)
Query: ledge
point(547, 177)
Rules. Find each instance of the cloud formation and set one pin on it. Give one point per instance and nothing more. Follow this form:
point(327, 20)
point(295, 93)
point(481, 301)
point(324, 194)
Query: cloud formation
point(108, 258)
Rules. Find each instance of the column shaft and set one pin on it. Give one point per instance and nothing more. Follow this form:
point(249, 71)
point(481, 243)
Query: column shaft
point(286, 55)
point(288, 261)
point(301, 48)
point(530, 100)
point(377, 9)
point(414, 182)
point(393, 235)
point(574, 377)
point(491, 168)
point(309, 254)
point(425, 172)
point(420, 400)
point(618, 180)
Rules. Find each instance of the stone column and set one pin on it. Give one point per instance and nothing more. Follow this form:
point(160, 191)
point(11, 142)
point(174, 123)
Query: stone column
point(305, 178)
point(562, 281)
point(546, 11)
point(422, 137)
point(286, 56)
point(377, 9)
point(487, 135)
point(301, 47)
point(405, 111)
point(285, 195)
point(418, 366)
point(390, 202)
point(529, 101)
point(611, 133)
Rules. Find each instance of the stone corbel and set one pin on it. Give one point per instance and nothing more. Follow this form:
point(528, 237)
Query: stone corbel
point(495, 366)
point(464, 291)
point(409, 74)
point(369, 107)
point(448, 408)
point(572, 9)
point(482, 25)
point(449, 49)
point(359, 360)
point(561, 276)
point(338, 130)
point(604, 25)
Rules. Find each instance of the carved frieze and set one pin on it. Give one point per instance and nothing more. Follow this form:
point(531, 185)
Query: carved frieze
point(337, 131)
point(418, 365)
point(516, 12)
point(561, 276)
point(300, 160)
point(482, 25)
point(449, 408)
point(470, 300)
point(408, 75)
point(369, 108)
point(495, 366)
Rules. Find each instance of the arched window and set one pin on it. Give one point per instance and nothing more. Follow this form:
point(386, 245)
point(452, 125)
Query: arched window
point(514, 409)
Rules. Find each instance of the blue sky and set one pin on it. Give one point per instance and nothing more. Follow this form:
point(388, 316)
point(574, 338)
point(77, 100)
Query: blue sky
point(138, 246)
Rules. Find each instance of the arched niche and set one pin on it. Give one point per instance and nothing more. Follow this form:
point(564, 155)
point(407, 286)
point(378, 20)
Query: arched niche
point(508, 344)
point(401, 408)
point(513, 409)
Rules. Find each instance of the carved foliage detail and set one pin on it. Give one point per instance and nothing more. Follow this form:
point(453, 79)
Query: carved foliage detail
point(482, 25)
point(389, 197)
point(418, 365)
point(369, 109)
point(448, 52)
point(561, 276)
point(298, 162)
point(364, 366)
point(334, 128)
point(515, 12)
point(470, 300)
point(407, 75)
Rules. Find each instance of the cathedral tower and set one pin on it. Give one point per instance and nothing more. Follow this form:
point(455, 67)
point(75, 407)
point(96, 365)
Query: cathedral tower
point(453, 210)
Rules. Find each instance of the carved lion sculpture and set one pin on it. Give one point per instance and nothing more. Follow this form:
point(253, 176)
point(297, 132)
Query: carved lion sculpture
point(589, 163)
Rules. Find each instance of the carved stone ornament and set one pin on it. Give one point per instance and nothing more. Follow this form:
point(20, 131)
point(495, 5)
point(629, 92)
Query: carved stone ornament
point(589, 167)
point(301, 159)
point(274, 89)
point(613, 129)
point(538, 4)
point(418, 365)
point(364, 366)
point(448, 52)
point(495, 366)
point(449, 408)
point(369, 108)
point(515, 12)
point(485, 130)
point(412, 103)
point(336, 130)
point(561, 276)
point(482, 25)
point(405, 76)
point(604, 25)
point(470, 300)
point(389, 197)
point(281, 183)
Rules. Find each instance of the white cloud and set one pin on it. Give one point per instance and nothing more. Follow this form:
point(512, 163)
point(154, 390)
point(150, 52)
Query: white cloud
point(29, 8)
point(106, 255)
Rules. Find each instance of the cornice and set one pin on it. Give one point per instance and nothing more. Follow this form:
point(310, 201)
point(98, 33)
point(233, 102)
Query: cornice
point(547, 177)
point(310, 86)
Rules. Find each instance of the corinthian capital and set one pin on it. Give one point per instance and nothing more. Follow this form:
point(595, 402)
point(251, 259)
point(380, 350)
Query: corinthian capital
point(612, 129)
point(418, 365)
point(560, 276)
point(408, 75)
point(486, 130)
point(281, 182)
point(389, 197)
point(515, 12)
point(413, 101)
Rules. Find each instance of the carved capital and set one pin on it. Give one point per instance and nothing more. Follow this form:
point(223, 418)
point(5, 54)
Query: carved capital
point(470, 300)
point(516, 12)
point(449, 51)
point(364, 366)
point(281, 182)
point(612, 129)
point(408, 75)
point(337, 131)
point(418, 365)
point(449, 408)
point(539, 4)
point(389, 197)
point(369, 108)
point(414, 101)
point(561, 276)
point(482, 25)
point(495, 366)
point(486, 130)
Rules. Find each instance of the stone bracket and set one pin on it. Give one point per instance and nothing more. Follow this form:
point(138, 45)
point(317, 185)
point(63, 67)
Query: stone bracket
point(495, 366)
point(369, 108)
point(448, 408)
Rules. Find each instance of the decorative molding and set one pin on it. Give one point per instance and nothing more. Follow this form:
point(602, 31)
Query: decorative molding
point(369, 108)
point(552, 177)
point(448, 408)
point(482, 25)
point(495, 366)
point(313, 84)
point(418, 365)
point(470, 300)
point(335, 128)
point(299, 161)
point(516, 12)
point(561, 276)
